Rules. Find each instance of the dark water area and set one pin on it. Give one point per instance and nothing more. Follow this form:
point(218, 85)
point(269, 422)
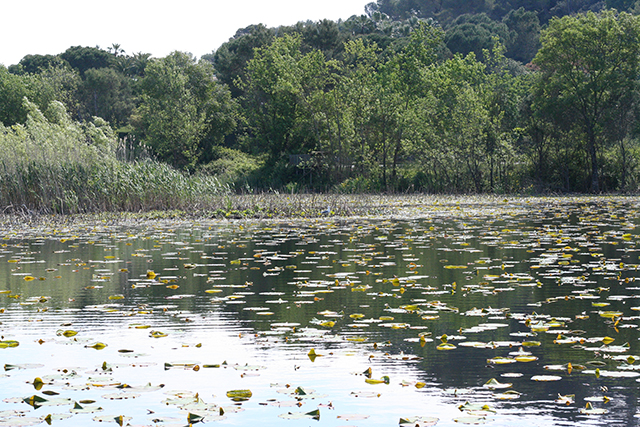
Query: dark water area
point(522, 313)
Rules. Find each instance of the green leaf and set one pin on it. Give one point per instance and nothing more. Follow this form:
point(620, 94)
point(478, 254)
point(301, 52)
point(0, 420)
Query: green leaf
point(239, 395)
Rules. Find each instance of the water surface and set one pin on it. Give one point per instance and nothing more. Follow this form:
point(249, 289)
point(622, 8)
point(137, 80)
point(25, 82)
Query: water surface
point(437, 304)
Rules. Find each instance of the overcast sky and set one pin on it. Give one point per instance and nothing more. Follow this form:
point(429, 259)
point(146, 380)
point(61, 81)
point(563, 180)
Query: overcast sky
point(150, 26)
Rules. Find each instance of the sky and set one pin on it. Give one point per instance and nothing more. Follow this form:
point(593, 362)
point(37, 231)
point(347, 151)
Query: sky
point(149, 26)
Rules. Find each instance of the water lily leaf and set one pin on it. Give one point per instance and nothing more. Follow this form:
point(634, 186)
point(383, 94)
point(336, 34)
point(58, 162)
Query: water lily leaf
point(118, 419)
point(475, 407)
point(473, 420)
point(181, 364)
point(353, 417)
point(56, 417)
point(501, 360)
point(507, 395)
point(121, 396)
point(38, 383)
point(604, 399)
point(86, 409)
point(312, 354)
point(610, 314)
point(301, 415)
point(20, 421)
point(97, 346)
point(249, 367)
point(157, 334)
point(143, 388)
point(365, 394)
point(34, 400)
point(194, 418)
point(566, 399)
point(9, 343)
point(384, 380)
point(103, 381)
point(419, 421)
point(446, 346)
point(526, 358)
point(182, 400)
point(590, 410)
point(494, 384)
point(9, 367)
point(611, 374)
point(239, 395)
point(68, 333)
point(545, 378)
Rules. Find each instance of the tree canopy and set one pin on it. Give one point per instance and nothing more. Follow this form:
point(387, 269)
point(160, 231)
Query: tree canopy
point(412, 95)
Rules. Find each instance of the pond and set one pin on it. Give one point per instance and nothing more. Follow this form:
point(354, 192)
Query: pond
point(509, 312)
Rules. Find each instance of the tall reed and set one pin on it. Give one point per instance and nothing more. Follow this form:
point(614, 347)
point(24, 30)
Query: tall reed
point(52, 164)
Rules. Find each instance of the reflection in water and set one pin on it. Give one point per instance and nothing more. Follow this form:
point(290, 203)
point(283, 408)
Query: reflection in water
point(440, 306)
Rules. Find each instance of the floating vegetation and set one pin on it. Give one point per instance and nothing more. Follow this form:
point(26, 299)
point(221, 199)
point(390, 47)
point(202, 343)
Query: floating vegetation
point(441, 311)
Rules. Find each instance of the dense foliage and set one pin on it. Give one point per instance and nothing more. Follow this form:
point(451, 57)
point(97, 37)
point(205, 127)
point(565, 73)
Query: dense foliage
point(431, 96)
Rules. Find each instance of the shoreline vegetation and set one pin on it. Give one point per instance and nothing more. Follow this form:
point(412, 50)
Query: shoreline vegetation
point(269, 207)
point(384, 103)
point(52, 167)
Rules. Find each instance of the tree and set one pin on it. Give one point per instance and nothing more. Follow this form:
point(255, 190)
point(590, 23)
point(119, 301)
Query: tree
point(32, 64)
point(184, 110)
point(84, 58)
point(280, 82)
point(41, 89)
point(525, 26)
point(106, 93)
point(231, 58)
point(590, 64)
point(476, 33)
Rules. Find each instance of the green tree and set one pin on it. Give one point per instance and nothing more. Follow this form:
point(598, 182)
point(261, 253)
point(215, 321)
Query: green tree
point(476, 33)
point(84, 58)
point(184, 110)
point(231, 58)
point(280, 81)
point(41, 89)
point(590, 64)
point(32, 64)
point(525, 26)
point(106, 93)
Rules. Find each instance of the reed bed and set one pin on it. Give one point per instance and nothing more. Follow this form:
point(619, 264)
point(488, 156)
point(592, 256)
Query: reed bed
point(52, 165)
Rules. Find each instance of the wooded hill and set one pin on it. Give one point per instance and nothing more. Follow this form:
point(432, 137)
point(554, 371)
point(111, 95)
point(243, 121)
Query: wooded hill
point(436, 96)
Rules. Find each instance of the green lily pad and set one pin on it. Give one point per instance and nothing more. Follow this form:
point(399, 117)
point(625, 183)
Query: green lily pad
point(20, 422)
point(118, 419)
point(301, 415)
point(418, 421)
point(239, 395)
point(86, 409)
point(472, 420)
point(121, 396)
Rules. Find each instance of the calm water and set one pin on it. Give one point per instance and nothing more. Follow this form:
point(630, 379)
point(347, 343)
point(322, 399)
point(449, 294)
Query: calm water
point(429, 303)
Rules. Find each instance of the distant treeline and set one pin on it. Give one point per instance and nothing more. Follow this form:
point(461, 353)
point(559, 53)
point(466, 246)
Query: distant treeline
point(452, 96)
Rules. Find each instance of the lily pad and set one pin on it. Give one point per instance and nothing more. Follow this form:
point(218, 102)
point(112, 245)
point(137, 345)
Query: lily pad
point(472, 420)
point(418, 421)
point(315, 415)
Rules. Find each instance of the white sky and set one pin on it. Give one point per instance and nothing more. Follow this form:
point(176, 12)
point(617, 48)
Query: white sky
point(149, 26)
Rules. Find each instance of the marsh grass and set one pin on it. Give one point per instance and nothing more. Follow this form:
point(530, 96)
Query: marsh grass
point(52, 165)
